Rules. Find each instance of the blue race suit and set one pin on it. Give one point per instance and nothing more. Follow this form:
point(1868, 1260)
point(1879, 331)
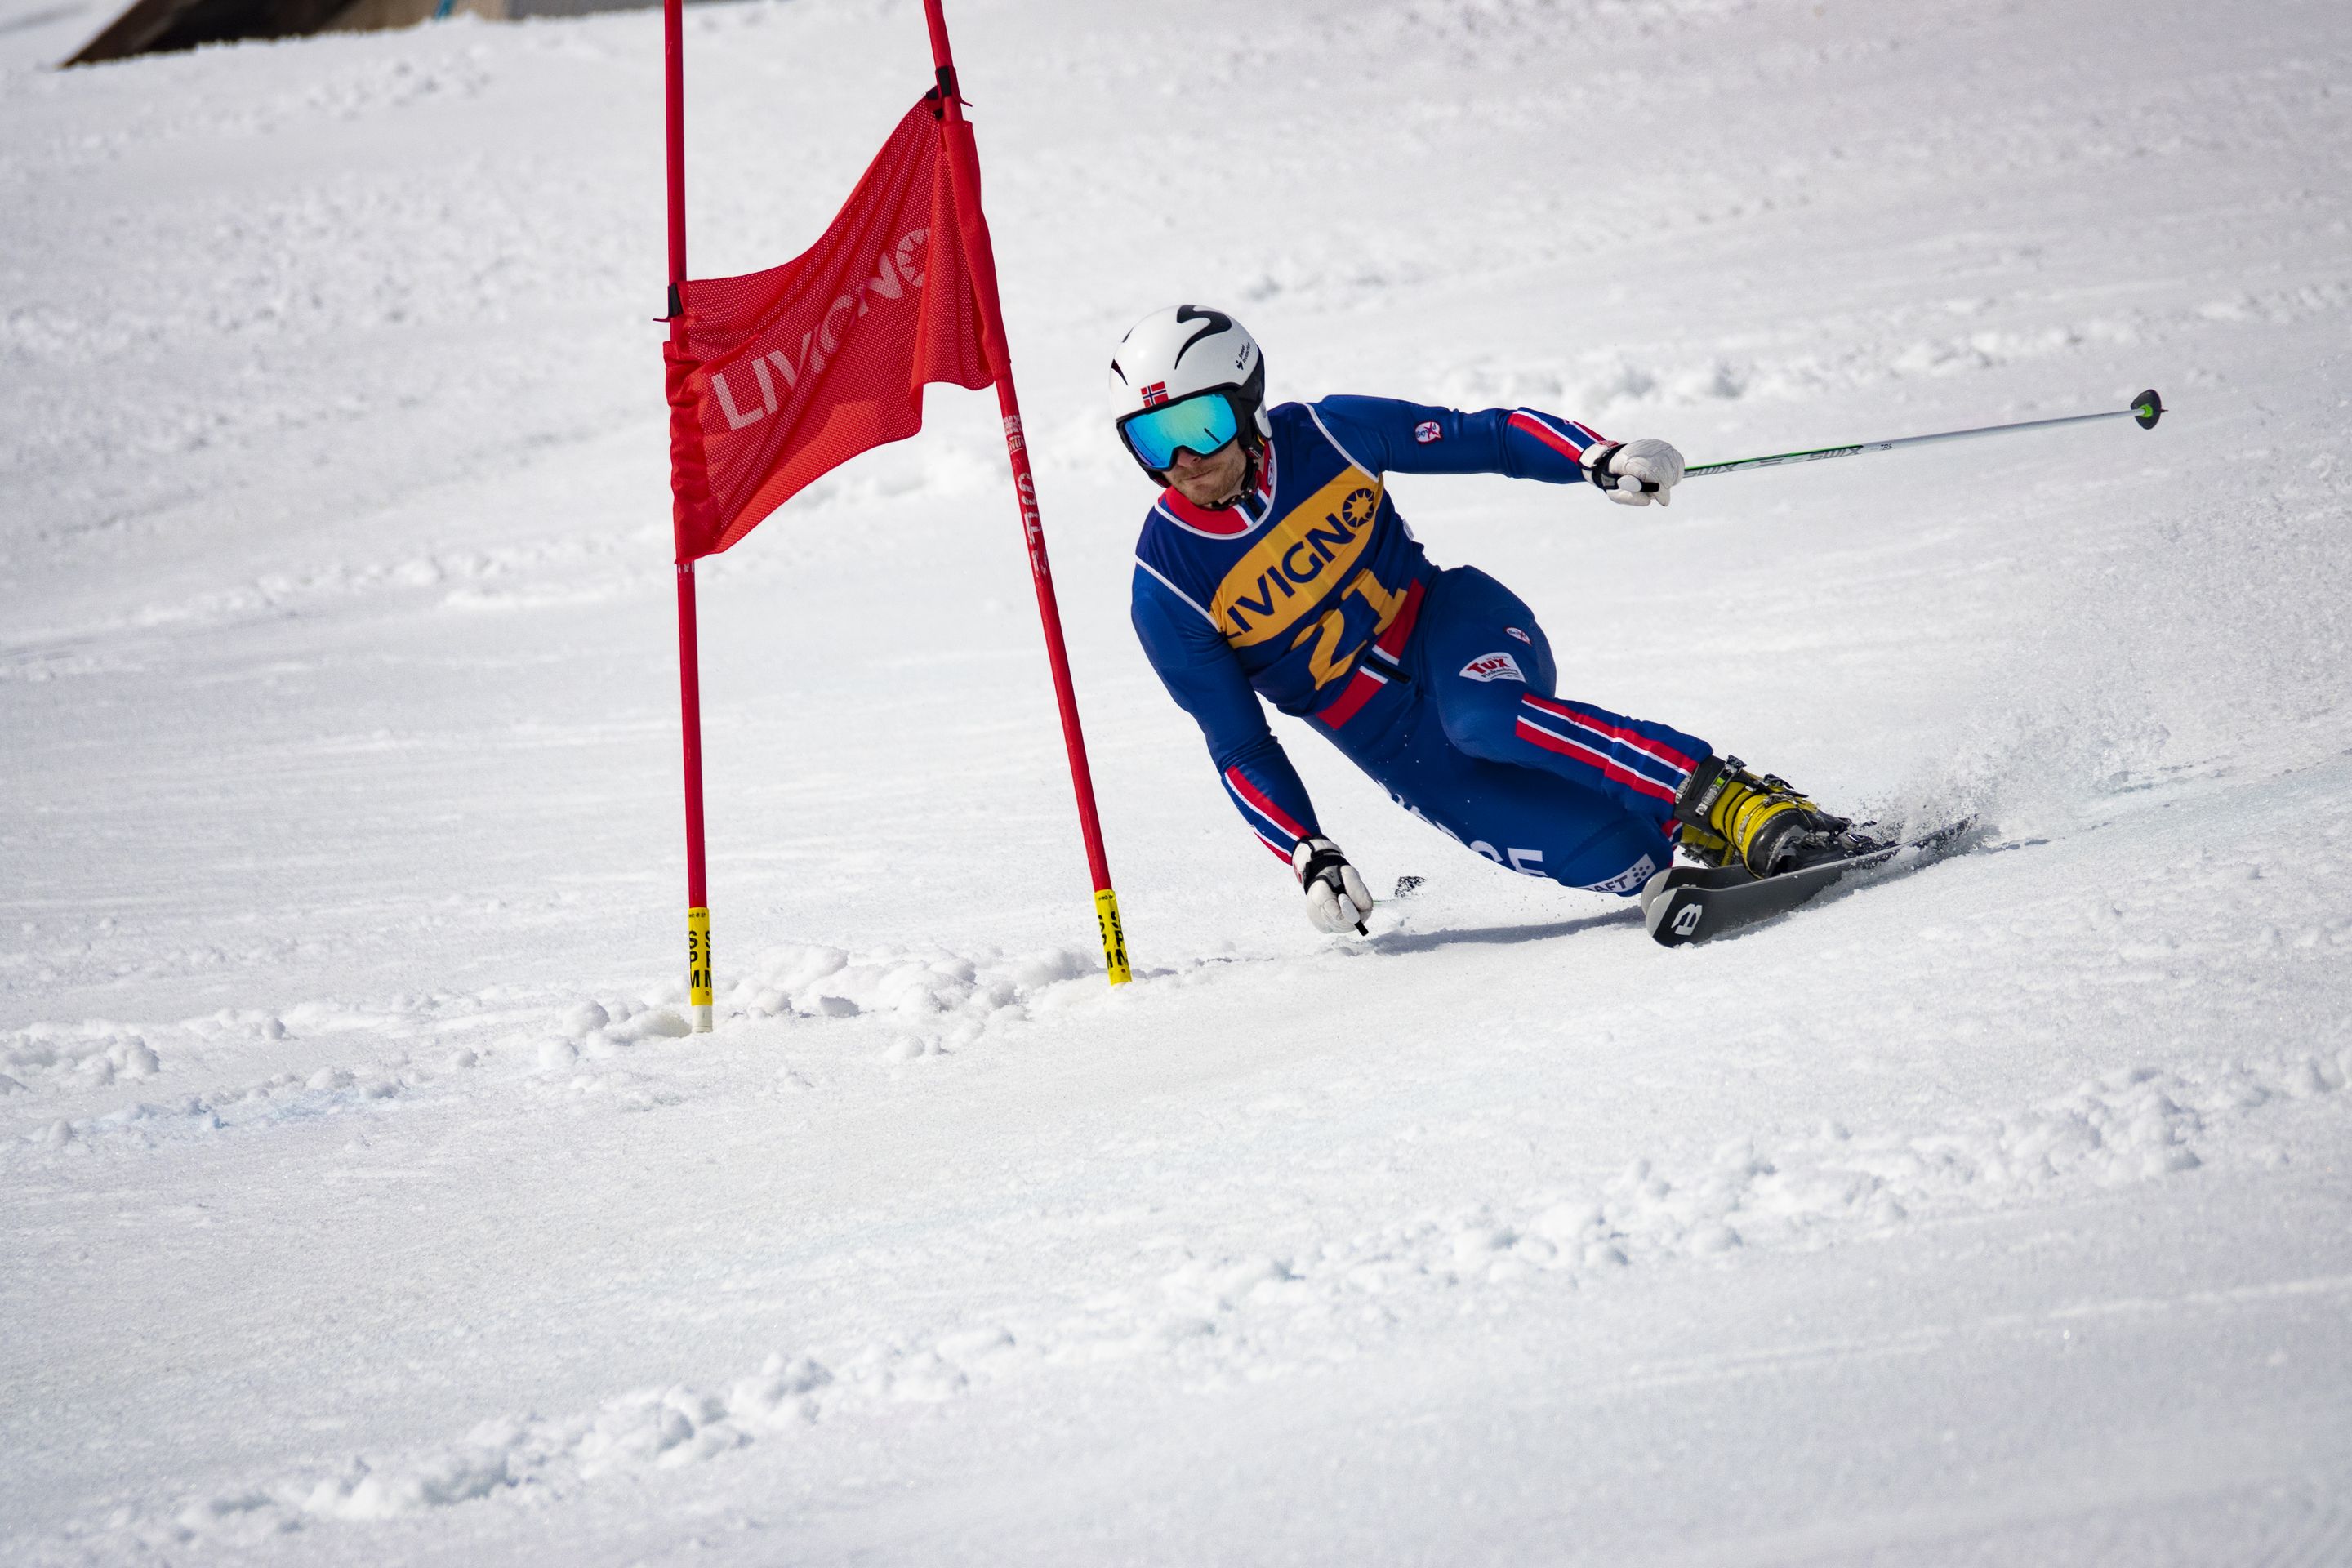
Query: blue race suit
point(1310, 591)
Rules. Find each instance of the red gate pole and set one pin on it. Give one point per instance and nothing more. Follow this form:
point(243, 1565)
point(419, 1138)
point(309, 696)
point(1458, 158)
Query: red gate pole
point(689, 663)
point(964, 167)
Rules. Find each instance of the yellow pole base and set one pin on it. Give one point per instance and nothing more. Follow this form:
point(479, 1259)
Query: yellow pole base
point(1114, 936)
point(698, 967)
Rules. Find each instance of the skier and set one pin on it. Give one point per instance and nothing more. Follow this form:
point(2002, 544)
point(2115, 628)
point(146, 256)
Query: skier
point(1275, 563)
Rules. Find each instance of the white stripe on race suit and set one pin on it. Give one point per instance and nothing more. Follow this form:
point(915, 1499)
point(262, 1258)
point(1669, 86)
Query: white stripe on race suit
point(1172, 588)
point(1641, 743)
point(1333, 440)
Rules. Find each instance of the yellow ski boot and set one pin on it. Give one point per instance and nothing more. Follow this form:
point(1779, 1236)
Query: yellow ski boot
point(1730, 815)
point(1703, 844)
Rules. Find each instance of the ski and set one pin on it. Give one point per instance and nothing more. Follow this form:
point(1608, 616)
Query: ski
point(1692, 903)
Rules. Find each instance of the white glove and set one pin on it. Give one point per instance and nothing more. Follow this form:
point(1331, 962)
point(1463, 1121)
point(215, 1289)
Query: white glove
point(1622, 468)
point(1336, 898)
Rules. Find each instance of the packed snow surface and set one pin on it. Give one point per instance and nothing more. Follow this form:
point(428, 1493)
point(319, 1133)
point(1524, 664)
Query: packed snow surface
point(366, 1201)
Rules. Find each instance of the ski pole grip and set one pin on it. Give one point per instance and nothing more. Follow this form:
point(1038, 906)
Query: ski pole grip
point(1600, 465)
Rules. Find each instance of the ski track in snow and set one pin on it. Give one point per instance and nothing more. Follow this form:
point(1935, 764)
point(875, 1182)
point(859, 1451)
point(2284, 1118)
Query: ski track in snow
point(1208, 1315)
point(2185, 927)
point(1218, 1317)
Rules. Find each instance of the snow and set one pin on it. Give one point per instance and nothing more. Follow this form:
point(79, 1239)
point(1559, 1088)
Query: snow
point(367, 1201)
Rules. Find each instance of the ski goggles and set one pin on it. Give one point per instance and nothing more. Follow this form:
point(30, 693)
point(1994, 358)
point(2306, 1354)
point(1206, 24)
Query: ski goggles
point(1202, 423)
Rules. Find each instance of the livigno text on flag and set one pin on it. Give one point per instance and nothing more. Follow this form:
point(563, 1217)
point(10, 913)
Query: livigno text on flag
point(820, 343)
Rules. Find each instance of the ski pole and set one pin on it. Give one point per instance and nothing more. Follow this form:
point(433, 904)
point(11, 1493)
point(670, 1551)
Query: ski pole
point(2145, 410)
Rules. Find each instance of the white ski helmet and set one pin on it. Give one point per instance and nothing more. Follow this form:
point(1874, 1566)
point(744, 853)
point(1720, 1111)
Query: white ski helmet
point(1180, 353)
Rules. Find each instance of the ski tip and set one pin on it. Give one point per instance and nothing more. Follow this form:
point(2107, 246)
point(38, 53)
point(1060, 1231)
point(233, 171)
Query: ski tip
point(1673, 918)
point(2146, 409)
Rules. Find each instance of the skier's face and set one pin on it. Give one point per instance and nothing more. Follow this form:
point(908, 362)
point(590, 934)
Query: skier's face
point(1211, 480)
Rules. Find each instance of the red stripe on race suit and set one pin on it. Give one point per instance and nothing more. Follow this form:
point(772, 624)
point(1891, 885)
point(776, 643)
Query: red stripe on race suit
point(1264, 806)
point(1547, 435)
point(1363, 685)
point(1361, 688)
point(1577, 751)
point(1276, 850)
point(1392, 641)
point(1657, 751)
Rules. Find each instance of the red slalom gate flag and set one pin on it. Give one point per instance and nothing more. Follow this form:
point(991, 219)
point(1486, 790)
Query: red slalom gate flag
point(776, 377)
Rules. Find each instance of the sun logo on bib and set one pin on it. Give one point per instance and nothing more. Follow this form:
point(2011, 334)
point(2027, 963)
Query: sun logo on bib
point(1359, 506)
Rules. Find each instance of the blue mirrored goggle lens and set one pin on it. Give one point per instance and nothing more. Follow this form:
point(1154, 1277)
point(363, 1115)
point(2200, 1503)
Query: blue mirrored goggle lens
point(1204, 422)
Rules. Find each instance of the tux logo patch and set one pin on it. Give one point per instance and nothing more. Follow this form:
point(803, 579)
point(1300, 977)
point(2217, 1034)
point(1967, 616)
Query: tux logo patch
point(1494, 667)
